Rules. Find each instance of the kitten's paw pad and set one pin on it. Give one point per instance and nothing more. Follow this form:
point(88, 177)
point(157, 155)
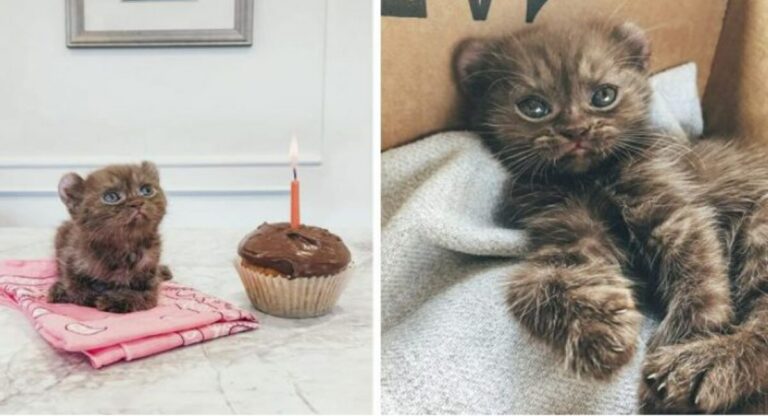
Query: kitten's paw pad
point(692, 377)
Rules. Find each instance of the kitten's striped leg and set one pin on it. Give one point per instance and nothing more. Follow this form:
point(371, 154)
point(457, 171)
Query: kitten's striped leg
point(724, 373)
point(679, 239)
point(693, 278)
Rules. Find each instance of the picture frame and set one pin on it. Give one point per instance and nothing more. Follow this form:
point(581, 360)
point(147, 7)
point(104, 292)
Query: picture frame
point(240, 34)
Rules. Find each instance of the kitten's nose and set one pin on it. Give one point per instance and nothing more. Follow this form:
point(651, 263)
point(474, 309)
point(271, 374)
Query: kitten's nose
point(135, 203)
point(575, 133)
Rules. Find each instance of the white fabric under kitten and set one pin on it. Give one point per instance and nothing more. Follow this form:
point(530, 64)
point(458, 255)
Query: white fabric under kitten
point(448, 344)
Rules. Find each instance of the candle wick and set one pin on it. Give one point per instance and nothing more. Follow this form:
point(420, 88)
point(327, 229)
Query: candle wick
point(294, 174)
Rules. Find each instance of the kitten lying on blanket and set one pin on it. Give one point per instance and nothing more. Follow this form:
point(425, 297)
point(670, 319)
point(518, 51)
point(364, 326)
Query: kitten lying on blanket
point(109, 252)
point(610, 204)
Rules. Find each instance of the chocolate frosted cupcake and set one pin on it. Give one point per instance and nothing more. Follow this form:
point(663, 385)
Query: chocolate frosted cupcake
point(293, 273)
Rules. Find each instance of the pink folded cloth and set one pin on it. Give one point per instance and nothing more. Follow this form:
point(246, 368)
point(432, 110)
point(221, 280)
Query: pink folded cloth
point(183, 316)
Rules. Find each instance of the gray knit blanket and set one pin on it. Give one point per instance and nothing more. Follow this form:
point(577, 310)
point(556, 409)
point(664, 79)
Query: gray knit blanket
point(448, 343)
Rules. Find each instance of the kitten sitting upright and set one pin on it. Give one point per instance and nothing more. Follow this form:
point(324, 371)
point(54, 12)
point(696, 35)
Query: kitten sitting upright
point(109, 251)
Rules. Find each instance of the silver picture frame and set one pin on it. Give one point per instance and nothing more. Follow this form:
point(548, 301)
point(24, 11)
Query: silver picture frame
point(241, 34)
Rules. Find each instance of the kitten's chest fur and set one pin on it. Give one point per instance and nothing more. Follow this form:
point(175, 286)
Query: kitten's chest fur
point(524, 197)
point(120, 261)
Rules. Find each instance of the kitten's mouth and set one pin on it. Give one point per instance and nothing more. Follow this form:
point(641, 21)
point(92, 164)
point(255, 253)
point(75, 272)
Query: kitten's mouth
point(137, 215)
point(578, 149)
point(578, 156)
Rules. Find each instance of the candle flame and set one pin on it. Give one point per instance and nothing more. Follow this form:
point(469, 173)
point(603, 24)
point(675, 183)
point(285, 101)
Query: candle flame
point(293, 152)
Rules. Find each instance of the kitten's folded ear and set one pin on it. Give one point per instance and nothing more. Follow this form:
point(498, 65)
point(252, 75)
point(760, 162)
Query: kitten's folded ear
point(71, 189)
point(636, 44)
point(467, 63)
point(150, 169)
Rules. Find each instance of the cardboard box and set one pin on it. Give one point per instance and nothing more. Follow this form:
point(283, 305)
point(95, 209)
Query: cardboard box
point(735, 98)
point(418, 38)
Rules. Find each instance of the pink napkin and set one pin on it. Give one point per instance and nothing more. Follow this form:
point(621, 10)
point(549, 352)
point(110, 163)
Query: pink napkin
point(184, 316)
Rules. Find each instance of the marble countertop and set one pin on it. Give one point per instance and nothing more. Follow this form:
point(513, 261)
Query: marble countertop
point(320, 365)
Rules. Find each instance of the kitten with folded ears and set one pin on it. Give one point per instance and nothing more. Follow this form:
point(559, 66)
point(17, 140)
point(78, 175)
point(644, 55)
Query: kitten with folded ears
point(614, 208)
point(108, 252)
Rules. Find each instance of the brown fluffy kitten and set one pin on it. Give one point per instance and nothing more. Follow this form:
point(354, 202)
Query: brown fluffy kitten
point(611, 206)
point(109, 252)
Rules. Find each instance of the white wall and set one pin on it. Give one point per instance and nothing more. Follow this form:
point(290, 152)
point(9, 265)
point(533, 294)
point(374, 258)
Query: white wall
point(216, 120)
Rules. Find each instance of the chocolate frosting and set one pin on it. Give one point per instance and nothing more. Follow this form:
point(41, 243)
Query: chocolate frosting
point(306, 251)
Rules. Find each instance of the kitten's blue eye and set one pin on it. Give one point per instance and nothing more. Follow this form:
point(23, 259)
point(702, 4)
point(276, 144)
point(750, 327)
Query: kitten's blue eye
point(534, 107)
point(110, 197)
point(146, 190)
point(604, 96)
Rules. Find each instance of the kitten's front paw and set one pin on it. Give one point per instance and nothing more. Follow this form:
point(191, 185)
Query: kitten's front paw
point(109, 305)
point(57, 294)
point(120, 302)
point(699, 376)
point(588, 314)
point(603, 338)
point(649, 403)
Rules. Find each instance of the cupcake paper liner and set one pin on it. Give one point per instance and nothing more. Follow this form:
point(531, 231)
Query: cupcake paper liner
point(297, 297)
